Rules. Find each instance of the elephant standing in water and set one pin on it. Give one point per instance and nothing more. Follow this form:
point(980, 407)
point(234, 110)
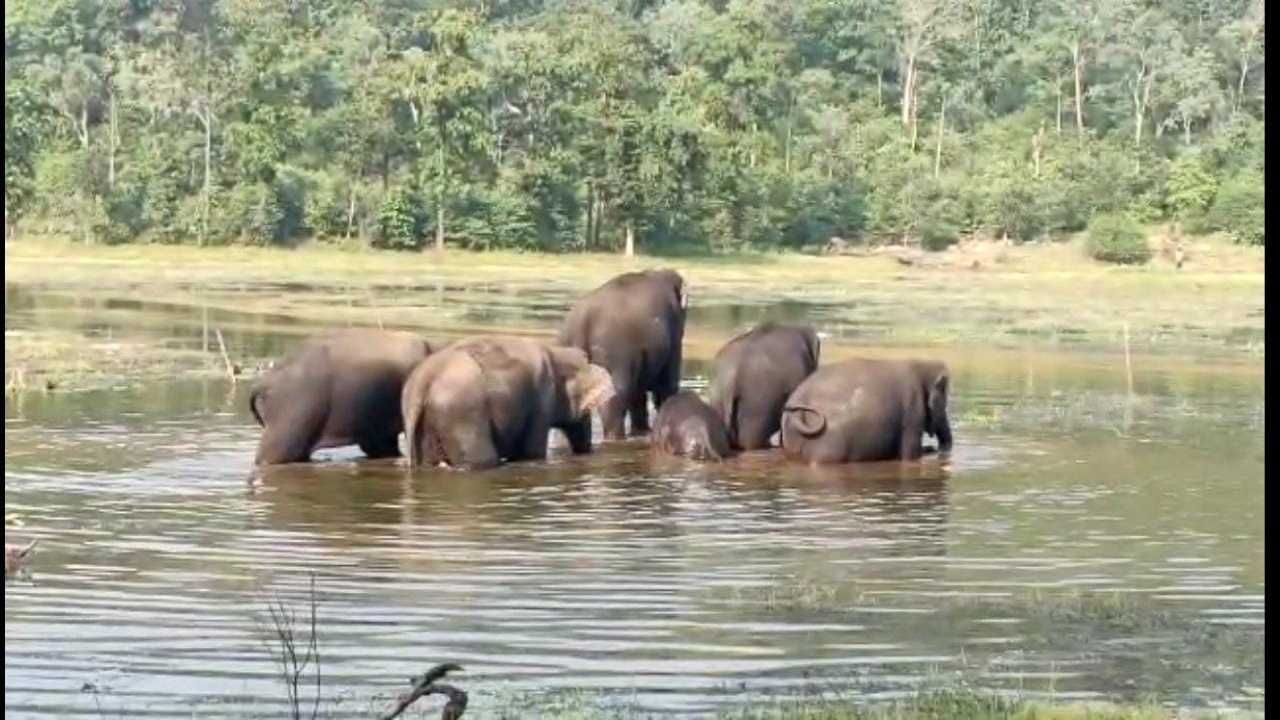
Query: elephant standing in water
point(687, 426)
point(633, 326)
point(864, 410)
point(340, 388)
point(484, 400)
point(755, 373)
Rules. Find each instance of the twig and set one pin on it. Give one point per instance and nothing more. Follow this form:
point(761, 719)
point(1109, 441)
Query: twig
point(223, 347)
point(426, 685)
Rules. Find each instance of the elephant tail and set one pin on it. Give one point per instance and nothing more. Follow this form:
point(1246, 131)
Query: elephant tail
point(258, 393)
point(414, 421)
point(809, 421)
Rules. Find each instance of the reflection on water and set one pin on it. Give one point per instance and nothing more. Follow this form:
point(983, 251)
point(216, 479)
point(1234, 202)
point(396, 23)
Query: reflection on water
point(1078, 542)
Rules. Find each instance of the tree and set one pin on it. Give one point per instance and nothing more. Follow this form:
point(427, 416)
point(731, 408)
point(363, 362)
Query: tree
point(445, 89)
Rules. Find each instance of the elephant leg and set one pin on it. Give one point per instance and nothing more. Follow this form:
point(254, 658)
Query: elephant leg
point(909, 445)
point(613, 414)
point(535, 442)
point(755, 426)
point(579, 435)
point(640, 414)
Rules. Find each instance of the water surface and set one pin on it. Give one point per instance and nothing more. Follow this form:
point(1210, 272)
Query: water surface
point(1080, 543)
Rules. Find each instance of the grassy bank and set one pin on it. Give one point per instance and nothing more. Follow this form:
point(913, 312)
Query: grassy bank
point(981, 296)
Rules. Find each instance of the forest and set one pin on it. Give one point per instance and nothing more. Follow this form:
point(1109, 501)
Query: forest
point(676, 126)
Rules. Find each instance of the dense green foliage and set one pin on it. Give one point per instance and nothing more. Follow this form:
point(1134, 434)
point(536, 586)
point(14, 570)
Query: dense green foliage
point(688, 125)
point(1117, 238)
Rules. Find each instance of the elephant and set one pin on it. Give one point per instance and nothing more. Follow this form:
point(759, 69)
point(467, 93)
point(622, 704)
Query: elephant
point(633, 326)
point(339, 388)
point(685, 425)
point(484, 400)
point(864, 410)
point(755, 373)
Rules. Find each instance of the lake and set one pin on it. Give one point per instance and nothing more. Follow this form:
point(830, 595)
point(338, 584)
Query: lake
point(1082, 541)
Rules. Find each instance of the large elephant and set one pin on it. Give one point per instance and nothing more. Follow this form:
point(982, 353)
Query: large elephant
point(863, 410)
point(484, 400)
point(633, 326)
point(755, 373)
point(687, 426)
point(339, 388)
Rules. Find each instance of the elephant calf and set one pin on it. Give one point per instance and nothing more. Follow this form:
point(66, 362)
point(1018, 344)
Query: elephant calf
point(340, 388)
point(755, 373)
point(865, 410)
point(688, 426)
point(484, 400)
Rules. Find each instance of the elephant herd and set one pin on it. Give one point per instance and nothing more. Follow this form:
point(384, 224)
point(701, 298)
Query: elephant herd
point(482, 401)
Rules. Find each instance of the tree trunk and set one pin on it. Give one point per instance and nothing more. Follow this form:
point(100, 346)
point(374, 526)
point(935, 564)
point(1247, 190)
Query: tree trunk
point(351, 210)
point(915, 110)
point(1078, 62)
point(1058, 87)
point(1186, 131)
point(600, 206)
point(591, 207)
point(908, 82)
point(1244, 72)
point(937, 154)
point(631, 241)
point(879, 88)
point(208, 165)
point(440, 226)
point(112, 141)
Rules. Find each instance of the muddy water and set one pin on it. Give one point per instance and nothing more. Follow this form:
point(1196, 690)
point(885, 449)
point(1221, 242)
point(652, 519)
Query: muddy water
point(1080, 543)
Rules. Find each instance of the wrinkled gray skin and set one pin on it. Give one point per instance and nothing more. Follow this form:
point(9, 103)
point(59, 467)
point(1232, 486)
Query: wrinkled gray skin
point(633, 326)
point(866, 410)
point(755, 373)
point(482, 401)
point(687, 426)
point(339, 388)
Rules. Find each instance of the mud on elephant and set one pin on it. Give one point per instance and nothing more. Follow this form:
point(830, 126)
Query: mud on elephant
point(865, 410)
point(687, 426)
point(481, 401)
point(339, 388)
point(755, 373)
point(633, 326)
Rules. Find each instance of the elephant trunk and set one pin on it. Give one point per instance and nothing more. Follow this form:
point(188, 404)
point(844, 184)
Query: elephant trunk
point(258, 393)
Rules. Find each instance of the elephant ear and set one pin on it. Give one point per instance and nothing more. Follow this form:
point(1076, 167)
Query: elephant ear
point(808, 421)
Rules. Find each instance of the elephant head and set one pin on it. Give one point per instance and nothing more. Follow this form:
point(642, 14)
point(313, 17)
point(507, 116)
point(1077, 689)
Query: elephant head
point(586, 387)
point(936, 381)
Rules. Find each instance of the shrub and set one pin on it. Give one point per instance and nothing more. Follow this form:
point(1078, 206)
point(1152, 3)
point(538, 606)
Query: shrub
point(1190, 187)
point(248, 213)
point(402, 221)
point(1117, 238)
point(1238, 209)
point(938, 234)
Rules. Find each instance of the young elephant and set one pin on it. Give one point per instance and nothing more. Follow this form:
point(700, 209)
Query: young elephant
point(483, 400)
point(755, 373)
point(865, 410)
point(340, 388)
point(688, 426)
point(633, 326)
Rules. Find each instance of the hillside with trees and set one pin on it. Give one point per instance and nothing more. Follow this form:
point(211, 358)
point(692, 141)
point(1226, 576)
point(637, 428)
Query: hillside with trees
point(602, 125)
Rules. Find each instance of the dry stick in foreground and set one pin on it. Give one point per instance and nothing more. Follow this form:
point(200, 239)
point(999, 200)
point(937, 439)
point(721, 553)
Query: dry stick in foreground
point(291, 665)
point(426, 685)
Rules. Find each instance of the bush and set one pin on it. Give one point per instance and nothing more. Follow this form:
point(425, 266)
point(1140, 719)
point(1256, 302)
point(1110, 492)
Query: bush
point(1117, 238)
point(1238, 209)
point(248, 213)
point(1190, 187)
point(938, 235)
point(402, 221)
